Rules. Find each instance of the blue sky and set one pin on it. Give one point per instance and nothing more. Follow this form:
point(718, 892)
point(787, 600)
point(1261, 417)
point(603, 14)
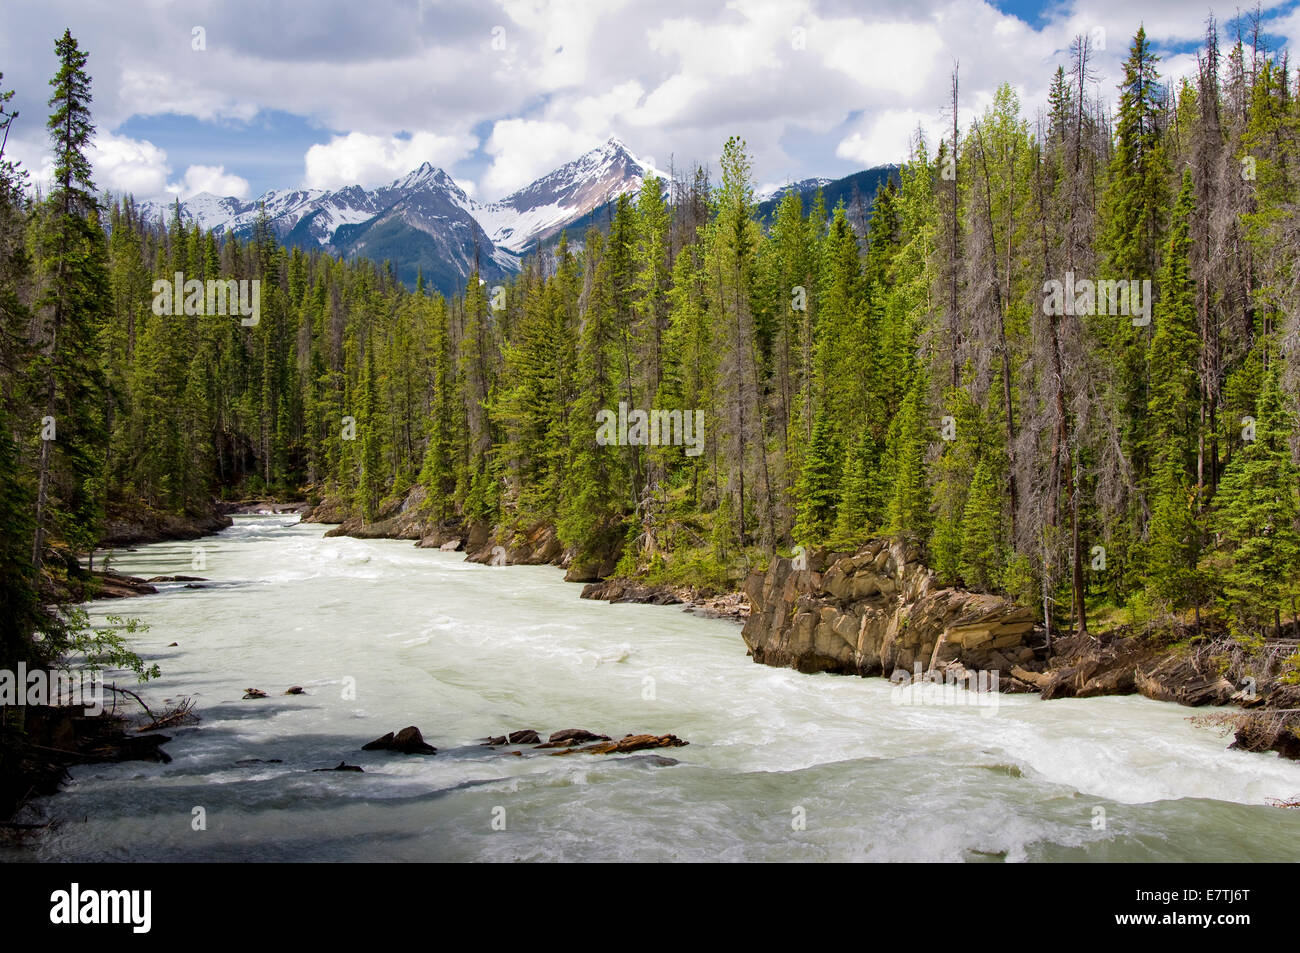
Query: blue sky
point(285, 94)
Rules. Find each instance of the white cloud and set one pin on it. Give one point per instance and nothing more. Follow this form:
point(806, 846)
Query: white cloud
point(559, 35)
point(213, 179)
point(525, 149)
point(123, 165)
point(901, 57)
point(153, 92)
point(888, 136)
point(360, 158)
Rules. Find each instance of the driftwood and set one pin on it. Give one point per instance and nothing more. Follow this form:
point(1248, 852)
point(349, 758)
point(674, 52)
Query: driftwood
point(127, 691)
point(177, 715)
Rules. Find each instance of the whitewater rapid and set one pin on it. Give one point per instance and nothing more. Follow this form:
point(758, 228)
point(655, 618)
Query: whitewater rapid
point(780, 765)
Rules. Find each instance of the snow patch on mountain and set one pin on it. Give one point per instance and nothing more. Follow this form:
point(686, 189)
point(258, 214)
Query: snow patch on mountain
point(541, 209)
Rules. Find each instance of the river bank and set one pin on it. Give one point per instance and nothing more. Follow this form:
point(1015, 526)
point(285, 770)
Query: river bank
point(44, 741)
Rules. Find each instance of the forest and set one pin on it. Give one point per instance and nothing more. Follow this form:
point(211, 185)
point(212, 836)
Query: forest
point(915, 378)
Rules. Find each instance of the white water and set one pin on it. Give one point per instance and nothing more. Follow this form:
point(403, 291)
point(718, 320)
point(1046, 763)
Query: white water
point(463, 651)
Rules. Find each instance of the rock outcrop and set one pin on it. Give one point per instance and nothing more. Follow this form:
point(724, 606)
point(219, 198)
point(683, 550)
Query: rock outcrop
point(141, 524)
point(397, 519)
point(878, 611)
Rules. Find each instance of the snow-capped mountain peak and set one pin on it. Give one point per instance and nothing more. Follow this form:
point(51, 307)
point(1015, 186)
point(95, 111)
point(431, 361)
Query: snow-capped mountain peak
point(542, 208)
point(427, 176)
point(426, 207)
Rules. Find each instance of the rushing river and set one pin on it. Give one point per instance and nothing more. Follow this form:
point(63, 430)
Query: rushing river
point(780, 766)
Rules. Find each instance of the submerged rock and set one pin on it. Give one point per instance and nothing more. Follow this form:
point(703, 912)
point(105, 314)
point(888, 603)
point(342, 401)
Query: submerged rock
point(341, 766)
point(651, 760)
point(254, 693)
point(295, 690)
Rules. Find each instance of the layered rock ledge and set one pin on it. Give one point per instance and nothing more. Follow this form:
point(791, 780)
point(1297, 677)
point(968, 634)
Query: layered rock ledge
point(878, 611)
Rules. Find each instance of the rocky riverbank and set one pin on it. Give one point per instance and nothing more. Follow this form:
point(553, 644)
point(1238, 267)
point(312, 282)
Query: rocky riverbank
point(539, 545)
point(881, 612)
point(137, 526)
point(52, 739)
point(407, 518)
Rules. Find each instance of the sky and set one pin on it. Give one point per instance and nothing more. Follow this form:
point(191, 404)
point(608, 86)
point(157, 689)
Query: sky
point(236, 97)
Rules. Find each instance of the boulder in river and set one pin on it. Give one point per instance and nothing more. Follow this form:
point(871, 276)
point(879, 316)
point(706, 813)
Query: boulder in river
point(524, 736)
point(407, 741)
point(569, 737)
point(341, 766)
point(294, 690)
point(630, 743)
point(254, 693)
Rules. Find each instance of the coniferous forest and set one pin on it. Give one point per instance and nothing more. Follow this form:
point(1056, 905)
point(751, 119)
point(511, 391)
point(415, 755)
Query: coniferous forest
point(917, 378)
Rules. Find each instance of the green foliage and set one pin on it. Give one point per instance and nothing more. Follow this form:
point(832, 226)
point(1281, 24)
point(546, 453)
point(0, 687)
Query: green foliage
point(1258, 508)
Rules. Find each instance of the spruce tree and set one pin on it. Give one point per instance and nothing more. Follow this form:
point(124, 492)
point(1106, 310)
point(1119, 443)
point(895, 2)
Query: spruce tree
point(72, 260)
point(1173, 535)
point(1257, 512)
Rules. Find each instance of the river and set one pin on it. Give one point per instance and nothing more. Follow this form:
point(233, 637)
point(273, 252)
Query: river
point(780, 765)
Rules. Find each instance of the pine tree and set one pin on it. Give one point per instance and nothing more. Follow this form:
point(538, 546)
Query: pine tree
point(909, 507)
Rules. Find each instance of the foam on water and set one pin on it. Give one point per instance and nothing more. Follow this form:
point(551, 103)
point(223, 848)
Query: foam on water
point(382, 634)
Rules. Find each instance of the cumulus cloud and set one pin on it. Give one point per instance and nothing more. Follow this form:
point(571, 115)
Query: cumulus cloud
point(213, 179)
point(888, 136)
point(360, 158)
point(524, 150)
point(123, 165)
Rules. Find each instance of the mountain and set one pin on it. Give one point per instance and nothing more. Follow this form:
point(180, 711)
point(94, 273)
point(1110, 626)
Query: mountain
point(424, 223)
point(541, 210)
point(856, 191)
point(806, 185)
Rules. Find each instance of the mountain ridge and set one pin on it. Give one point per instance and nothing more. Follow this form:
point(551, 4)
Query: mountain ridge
point(426, 224)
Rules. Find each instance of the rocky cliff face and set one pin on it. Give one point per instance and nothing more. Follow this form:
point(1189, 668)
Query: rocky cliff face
point(878, 611)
